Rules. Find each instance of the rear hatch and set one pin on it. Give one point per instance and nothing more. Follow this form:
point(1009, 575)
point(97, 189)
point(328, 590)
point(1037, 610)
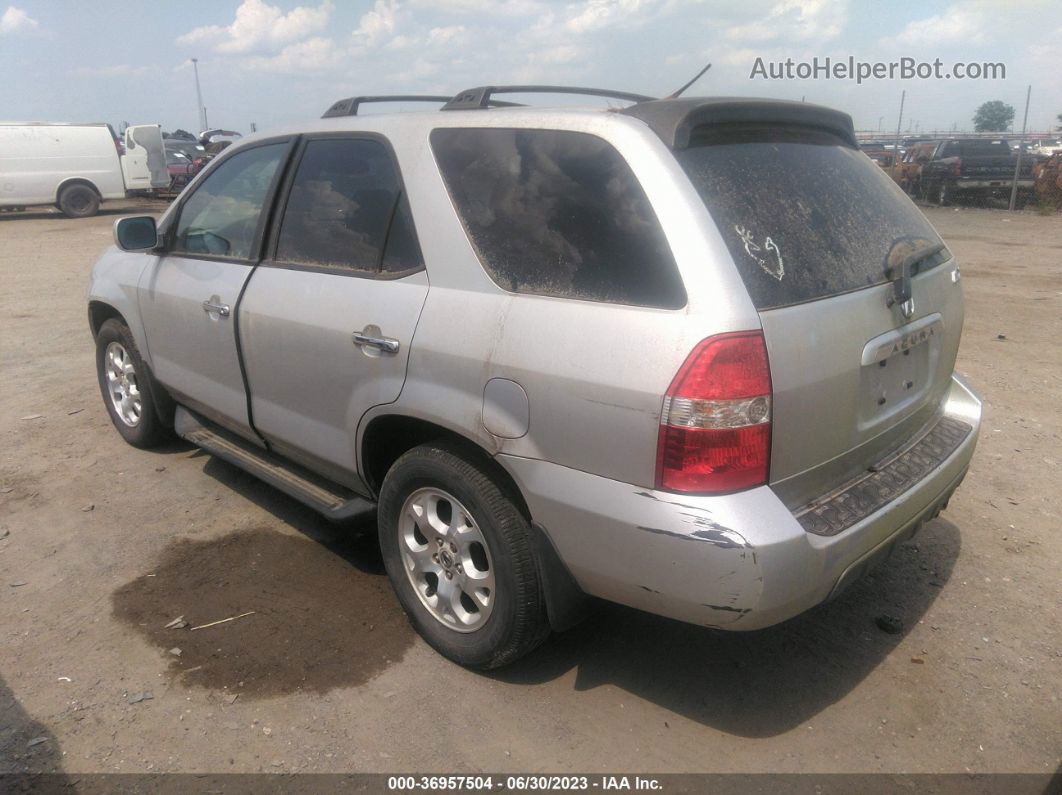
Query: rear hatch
point(819, 235)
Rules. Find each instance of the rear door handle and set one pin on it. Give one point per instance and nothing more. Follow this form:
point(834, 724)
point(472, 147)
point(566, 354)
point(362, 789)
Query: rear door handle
point(213, 304)
point(385, 344)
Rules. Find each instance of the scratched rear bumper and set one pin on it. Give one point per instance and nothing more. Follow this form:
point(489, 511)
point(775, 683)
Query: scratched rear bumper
point(741, 561)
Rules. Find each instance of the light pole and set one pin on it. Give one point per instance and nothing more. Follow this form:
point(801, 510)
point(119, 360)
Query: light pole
point(880, 119)
point(199, 96)
point(1021, 146)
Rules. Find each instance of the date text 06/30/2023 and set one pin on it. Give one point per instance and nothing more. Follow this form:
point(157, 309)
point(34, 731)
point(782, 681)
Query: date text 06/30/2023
point(518, 783)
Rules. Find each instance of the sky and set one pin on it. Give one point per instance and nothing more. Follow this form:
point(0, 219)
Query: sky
point(274, 62)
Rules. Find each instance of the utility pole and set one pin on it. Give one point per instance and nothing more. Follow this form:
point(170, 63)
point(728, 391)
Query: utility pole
point(199, 96)
point(896, 147)
point(880, 120)
point(1021, 146)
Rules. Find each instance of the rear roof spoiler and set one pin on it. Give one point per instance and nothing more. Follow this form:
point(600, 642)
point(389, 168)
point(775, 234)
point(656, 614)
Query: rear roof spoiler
point(675, 119)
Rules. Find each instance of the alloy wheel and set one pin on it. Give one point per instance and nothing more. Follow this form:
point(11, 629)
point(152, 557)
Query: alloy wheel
point(122, 384)
point(446, 559)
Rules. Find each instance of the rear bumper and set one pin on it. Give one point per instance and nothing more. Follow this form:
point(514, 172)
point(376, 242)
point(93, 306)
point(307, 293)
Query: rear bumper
point(741, 561)
point(992, 184)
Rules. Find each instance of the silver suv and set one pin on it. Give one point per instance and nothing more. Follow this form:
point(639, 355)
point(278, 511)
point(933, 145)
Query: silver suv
point(694, 356)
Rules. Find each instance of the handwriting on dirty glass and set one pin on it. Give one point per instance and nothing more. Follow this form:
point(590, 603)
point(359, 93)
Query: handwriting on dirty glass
point(772, 265)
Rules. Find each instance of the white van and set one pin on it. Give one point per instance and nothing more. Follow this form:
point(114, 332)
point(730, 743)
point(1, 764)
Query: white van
point(76, 166)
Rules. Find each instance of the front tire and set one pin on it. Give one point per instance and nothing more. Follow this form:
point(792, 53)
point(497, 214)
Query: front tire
point(125, 385)
point(79, 201)
point(458, 553)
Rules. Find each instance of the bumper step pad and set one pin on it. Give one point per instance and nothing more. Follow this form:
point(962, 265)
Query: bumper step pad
point(884, 482)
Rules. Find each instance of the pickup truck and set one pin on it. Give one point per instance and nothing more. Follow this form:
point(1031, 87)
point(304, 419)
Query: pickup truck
point(967, 168)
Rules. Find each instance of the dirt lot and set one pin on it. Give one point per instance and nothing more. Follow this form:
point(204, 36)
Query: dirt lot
point(102, 545)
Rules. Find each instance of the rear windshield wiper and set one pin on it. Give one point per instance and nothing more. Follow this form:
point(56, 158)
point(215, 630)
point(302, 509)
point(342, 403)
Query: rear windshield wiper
point(900, 275)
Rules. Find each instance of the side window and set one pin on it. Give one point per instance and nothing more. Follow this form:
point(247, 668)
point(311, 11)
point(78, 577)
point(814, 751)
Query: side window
point(221, 217)
point(949, 150)
point(345, 198)
point(558, 213)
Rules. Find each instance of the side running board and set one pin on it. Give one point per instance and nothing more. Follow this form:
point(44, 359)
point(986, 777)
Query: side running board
point(330, 499)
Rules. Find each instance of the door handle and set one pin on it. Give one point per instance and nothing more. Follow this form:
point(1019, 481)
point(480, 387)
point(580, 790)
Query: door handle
point(212, 304)
point(385, 344)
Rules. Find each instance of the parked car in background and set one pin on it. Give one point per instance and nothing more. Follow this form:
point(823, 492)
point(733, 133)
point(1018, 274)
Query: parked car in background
point(181, 169)
point(636, 372)
point(877, 151)
point(968, 168)
point(1047, 148)
point(192, 149)
point(76, 166)
point(908, 172)
point(144, 161)
point(1048, 176)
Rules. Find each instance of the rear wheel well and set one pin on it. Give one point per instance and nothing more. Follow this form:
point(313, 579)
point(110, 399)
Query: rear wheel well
point(388, 437)
point(76, 181)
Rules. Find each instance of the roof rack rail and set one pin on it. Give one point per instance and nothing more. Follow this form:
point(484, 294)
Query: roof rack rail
point(480, 97)
point(349, 106)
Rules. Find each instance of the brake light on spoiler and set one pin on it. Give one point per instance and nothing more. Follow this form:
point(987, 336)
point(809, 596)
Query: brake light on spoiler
point(715, 427)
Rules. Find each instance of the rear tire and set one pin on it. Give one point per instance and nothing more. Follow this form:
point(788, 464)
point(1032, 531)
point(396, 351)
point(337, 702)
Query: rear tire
point(79, 201)
point(126, 386)
point(437, 494)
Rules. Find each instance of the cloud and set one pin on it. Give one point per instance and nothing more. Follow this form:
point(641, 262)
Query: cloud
point(506, 8)
point(600, 14)
point(377, 24)
point(795, 19)
point(317, 54)
point(259, 26)
point(954, 24)
point(115, 70)
point(15, 19)
point(447, 36)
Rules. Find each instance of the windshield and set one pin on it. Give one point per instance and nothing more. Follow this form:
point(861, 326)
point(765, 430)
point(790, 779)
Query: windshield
point(805, 215)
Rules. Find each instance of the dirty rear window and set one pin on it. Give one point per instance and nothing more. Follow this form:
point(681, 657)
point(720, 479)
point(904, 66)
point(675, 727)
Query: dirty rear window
point(558, 213)
point(805, 216)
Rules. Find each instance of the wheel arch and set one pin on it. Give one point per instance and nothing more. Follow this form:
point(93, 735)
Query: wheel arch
point(387, 436)
point(99, 312)
point(66, 183)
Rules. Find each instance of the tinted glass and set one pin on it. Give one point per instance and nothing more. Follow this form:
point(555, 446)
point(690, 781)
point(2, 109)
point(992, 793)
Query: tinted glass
point(804, 215)
point(403, 251)
point(558, 213)
point(221, 217)
point(984, 149)
point(342, 202)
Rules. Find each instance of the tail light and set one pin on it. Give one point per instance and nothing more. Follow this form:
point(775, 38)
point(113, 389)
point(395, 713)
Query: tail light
point(956, 168)
point(715, 428)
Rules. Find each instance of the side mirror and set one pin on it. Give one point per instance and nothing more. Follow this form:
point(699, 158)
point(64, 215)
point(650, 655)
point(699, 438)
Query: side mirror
point(137, 233)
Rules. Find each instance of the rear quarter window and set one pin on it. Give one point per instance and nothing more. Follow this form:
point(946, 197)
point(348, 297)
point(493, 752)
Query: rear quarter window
point(804, 215)
point(558, 213)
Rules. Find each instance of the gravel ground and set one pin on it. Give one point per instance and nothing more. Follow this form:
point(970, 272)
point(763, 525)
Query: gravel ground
point(103, 544)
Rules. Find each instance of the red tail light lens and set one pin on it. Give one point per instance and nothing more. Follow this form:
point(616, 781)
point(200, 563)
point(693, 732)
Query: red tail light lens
point(715, 428)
